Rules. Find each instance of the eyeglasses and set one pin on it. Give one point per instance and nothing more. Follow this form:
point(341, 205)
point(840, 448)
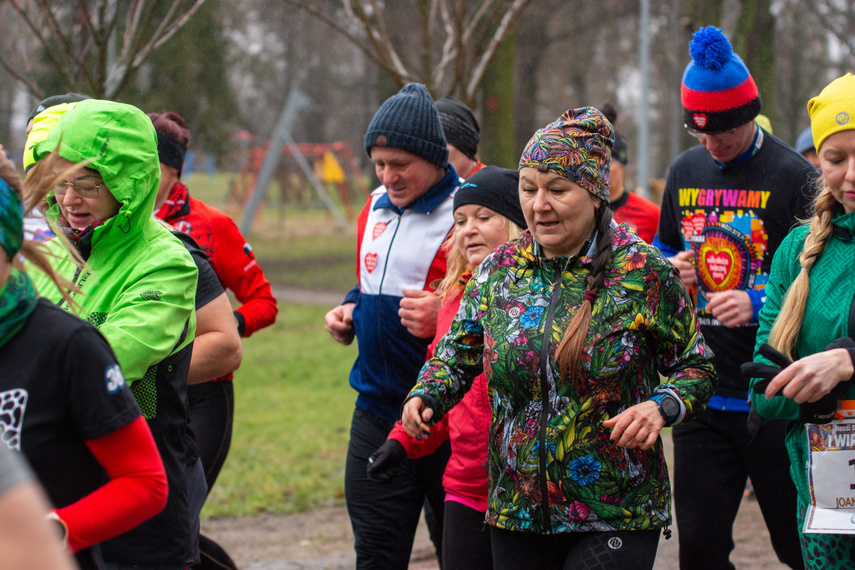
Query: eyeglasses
point(84, 188)
point(701, 135)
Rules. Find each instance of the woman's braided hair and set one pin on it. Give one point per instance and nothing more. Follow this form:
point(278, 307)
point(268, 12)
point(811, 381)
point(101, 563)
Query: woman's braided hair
point(785, 331)
point(570, 348)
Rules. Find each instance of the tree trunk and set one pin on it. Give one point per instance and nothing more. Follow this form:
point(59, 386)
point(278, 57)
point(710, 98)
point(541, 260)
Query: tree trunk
point(754, 41)
point(498, 140)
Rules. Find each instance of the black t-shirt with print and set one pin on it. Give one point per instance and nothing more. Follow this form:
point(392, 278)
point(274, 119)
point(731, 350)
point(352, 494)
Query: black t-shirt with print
point(733, 219)
point(60, 385)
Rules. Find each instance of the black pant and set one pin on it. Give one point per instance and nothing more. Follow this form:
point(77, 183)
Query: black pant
point(212, 410)
point(212, 406)
point(712, 461)
point(384, 516)
point(608, 550)
point(465, 539)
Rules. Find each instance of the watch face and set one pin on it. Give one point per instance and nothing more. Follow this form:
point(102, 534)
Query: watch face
point(670, 408)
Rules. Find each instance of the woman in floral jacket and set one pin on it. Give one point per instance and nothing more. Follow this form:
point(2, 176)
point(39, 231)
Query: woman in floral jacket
point(573, 323)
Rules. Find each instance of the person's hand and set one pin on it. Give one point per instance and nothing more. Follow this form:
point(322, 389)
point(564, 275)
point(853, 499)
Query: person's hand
point(384, 463)
point(731, 308)
point(418, 312)
point(637, 427)
point(683, 262)
point(812, 377)
point(339, 323)
point(414, 417)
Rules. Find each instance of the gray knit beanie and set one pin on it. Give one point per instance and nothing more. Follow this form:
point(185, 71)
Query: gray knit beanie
point(409, 121)
point(459, 125)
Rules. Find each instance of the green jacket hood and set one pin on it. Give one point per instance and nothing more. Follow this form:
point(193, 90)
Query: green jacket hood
point(119, 142)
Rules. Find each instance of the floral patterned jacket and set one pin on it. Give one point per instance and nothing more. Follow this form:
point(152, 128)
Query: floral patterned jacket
point(552, 467)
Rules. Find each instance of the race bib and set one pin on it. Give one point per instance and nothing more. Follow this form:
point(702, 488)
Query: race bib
point(831, 473)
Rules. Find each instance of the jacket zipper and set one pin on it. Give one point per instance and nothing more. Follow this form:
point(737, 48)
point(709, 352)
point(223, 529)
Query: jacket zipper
point(388, 253)
point(544, 400)
point(379, 314)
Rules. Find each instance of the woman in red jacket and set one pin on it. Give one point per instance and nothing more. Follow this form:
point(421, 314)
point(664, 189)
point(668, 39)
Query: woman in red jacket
point(211, 399)
point(487, 213)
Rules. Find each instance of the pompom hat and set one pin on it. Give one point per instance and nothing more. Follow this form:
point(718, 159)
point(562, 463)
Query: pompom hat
point(717, 92)
point(833, 110)
point(578, 147)
point(409, 121)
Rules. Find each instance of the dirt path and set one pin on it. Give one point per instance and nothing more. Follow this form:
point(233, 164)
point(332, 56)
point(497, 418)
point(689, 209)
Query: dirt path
point(322, 540)
point(307, 297)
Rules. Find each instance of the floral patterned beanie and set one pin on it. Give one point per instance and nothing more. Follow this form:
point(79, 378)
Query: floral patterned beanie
point(577, 146)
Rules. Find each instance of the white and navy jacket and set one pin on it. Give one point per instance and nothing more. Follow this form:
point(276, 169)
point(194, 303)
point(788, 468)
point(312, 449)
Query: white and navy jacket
point(399, 248)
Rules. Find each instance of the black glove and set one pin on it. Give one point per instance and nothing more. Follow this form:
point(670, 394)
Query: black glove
point(820, 412)
point(823, 410)
point(765, 371)
point(755, 423)
point(386, 462)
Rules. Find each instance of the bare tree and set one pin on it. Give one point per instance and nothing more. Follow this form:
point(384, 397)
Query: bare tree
point(93, 46)
point(838, 18)
point(459, 38)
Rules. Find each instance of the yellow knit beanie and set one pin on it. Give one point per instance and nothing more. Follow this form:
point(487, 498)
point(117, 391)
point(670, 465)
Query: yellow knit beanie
point(833, 110)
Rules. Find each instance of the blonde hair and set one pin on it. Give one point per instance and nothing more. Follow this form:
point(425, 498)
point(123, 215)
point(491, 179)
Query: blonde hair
point(39, 182)
point(785, 330)
point(457, 264)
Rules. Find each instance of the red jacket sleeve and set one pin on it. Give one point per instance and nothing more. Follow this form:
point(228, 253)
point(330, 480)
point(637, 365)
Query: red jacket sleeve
point(136, 491)
point(235, 264)
point(361, 222)
point(417, 449)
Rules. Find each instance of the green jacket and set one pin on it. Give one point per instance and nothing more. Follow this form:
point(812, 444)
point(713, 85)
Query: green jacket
point(138, 288)
point(830, 306)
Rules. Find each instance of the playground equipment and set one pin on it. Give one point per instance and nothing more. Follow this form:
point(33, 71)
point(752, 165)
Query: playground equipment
point(333, 165)
point(261, 165)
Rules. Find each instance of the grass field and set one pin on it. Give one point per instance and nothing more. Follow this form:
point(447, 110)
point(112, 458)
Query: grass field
point(293, 406)
point(293, 402)
point(297, 247)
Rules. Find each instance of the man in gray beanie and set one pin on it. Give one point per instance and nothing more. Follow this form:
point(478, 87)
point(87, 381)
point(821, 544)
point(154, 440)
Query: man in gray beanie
point(399, 256)
point(462, 133)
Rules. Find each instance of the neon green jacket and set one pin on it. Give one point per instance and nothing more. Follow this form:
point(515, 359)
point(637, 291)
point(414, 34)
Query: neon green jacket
point(140, 283)
point(138, 288)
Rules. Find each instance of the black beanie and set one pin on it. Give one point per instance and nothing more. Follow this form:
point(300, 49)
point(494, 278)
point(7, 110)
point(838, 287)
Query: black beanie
point(56, 100)
point(409, 121)
point(619, 151)
point(495, 188)
point(460, 125)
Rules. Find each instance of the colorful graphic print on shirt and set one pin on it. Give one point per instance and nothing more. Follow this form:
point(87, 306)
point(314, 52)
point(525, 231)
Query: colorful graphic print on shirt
point(728, 241)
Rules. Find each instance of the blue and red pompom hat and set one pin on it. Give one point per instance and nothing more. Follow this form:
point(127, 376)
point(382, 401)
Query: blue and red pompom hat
point(718, 92)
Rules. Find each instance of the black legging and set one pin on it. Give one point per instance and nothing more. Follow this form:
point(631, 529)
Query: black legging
point(212, 406)
point(465, 539)
point(610, 550)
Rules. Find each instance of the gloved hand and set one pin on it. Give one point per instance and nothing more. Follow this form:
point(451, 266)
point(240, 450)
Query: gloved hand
point(819, 412)
point(823, 410)
point(385, 463)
